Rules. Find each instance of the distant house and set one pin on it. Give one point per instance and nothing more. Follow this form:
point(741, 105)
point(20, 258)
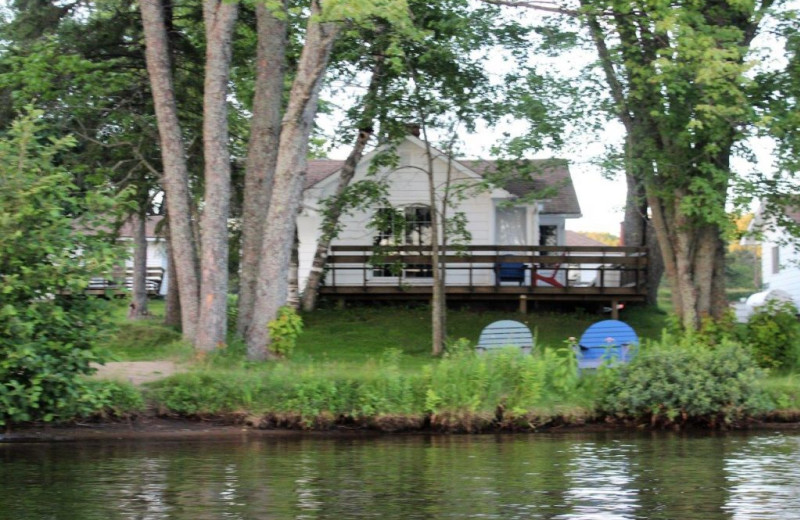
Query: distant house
point(493, 219)
point(157, 260)
point(780, 261)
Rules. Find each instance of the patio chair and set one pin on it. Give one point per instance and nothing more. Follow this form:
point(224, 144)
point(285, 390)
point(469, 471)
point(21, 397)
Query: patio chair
point(509, 271)
point(547, 276)
point(608, 341)
point(505, 333)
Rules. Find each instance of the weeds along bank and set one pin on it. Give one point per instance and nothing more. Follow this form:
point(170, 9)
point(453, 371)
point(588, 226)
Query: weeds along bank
point(673, 382)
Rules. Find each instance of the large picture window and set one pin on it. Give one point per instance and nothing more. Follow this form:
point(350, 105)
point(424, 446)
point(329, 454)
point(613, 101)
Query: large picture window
point(410, 226)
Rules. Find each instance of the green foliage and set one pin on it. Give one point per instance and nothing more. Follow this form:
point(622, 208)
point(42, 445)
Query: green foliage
point(676, 381)
point(47, 257)
point(783, 392)
point(740, 271)
point(284, 331)
point(461, 383)
point(479, 383)
point(773, 334)
point(116, 399)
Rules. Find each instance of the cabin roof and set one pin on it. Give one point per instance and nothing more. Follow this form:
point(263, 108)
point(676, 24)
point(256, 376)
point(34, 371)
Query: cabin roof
point(320, 169)
point(546, 173)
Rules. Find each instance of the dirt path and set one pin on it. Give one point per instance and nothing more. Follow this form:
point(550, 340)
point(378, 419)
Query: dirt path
point(137, 372)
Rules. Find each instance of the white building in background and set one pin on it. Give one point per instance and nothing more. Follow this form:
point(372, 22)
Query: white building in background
point(157, 259)
point(492, 218)
point(780, 261)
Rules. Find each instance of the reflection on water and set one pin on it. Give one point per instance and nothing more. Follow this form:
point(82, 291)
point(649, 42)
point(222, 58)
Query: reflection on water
point(587, 476)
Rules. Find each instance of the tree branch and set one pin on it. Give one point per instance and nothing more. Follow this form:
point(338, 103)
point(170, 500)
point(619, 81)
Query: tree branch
point(545, 6)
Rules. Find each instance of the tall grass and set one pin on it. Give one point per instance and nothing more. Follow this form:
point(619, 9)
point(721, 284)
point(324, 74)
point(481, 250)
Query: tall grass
point(463, 392)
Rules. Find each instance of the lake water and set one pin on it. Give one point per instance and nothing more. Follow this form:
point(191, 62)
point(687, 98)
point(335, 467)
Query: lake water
point(549, 476)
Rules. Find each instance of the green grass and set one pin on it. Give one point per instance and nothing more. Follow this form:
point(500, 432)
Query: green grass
point(357, 334)
point(144, 340)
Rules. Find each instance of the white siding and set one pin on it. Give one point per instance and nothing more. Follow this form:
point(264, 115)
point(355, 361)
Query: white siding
point(787, 262)
point(408, 185)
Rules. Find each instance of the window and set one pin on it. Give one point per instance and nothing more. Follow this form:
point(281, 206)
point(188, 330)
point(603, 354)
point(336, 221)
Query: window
point(510, 228)
point(410, 226)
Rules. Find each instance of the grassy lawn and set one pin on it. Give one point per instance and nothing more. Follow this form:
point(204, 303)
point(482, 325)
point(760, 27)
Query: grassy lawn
point(357, 334)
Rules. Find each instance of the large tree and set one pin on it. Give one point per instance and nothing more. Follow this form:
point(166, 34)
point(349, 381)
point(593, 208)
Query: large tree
point(677, 75)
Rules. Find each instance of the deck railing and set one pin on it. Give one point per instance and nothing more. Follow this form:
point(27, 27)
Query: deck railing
point(489, 269)
point(123, 281)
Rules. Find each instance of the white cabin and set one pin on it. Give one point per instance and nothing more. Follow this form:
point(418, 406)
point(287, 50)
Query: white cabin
point(492, 218)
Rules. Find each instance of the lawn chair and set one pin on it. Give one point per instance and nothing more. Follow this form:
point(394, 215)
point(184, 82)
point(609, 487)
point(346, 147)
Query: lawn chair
point(547, 276)
point(608, 341)
point(505, 333)
point(506, 271)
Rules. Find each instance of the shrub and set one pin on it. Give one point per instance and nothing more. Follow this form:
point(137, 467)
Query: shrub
point(284, 331)
point(47, 257)
point(681, 381)
point(773, 334)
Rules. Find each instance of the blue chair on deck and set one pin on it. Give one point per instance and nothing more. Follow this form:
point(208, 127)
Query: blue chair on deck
point(608, 341)
point(509, 272)
point(505, 333)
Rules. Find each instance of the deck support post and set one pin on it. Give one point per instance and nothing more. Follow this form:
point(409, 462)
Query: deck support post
point(614, 309)
point(340, 303)
point(523, 304)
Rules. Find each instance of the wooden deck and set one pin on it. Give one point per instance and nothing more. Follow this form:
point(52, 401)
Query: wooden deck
point(551, 273)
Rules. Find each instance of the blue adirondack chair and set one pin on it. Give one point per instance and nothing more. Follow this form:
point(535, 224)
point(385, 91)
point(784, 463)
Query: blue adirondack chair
point(608, 341)
point(509, 271)
point(505, 333)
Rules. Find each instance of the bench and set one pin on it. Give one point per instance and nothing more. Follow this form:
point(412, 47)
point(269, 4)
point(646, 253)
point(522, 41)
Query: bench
point(606, 342)
point(505, 333)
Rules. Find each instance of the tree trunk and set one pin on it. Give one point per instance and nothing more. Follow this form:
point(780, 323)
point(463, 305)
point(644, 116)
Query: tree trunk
point(288, 185)
point(655, 265)
point(637, 229)
point(438, 302)
point(176, 176)
point(172, 301)
point(331, 219)
point(138, 306)
point(219, 18)
point(309, 297)
point(262, 152)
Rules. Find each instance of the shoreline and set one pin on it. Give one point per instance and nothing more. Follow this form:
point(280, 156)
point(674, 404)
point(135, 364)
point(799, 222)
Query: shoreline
point(156, 428)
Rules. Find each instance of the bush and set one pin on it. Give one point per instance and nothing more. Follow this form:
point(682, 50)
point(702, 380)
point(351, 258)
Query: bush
point(284, 331)
point(47, 257)
point(682, 381)
point(773, 334)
